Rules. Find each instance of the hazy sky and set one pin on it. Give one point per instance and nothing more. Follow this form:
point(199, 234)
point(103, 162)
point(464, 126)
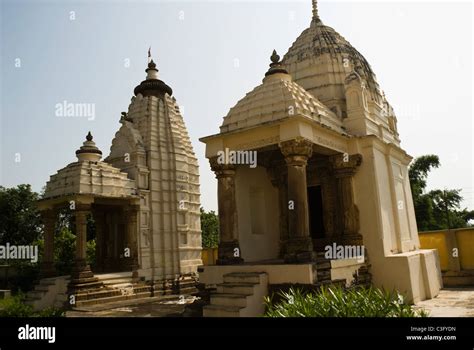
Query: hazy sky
point(211, 54)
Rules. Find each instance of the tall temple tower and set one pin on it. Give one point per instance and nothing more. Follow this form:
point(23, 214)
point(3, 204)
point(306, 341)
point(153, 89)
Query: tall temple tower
point(153, 147)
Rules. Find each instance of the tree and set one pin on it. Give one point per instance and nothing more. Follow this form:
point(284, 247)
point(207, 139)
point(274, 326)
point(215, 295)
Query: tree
point(210, 229)
point(437, 209)
point(20, 222)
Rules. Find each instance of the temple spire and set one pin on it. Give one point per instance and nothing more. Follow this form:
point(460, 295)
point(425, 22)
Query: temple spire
point(315, 11)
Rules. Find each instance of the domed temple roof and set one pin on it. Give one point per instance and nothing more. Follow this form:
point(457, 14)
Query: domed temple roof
point(277, 98)
point(320, 59)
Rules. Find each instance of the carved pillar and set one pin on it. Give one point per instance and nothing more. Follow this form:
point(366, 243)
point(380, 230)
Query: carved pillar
point(229, 250)
point(49, 218)
point(299, 246)
point(81, 275)
point(131, 215)
point(345, 167)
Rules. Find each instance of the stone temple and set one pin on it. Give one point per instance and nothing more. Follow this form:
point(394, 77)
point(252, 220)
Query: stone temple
point(144, 200)
point(312, 184)
point(330, 174)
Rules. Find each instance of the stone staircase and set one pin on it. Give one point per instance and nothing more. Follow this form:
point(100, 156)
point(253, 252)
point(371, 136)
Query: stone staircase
point(241, 295)
point(49, 292)
point(115, 287)
point(323, 267)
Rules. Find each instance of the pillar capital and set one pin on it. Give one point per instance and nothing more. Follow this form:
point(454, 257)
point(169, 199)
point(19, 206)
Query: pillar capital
point(220, 169)
point(345, 165)
point(296, 151)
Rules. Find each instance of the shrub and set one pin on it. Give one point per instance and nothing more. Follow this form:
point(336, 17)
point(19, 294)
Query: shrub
point(338, 302)
point(15, 306)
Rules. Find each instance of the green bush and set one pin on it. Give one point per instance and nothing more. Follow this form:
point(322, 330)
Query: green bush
point(90, 252)
point(338, 302)
point(15, 306)
point(64, 251)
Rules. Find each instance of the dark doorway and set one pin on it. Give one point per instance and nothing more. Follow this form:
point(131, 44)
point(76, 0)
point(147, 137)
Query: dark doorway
point(315, 207)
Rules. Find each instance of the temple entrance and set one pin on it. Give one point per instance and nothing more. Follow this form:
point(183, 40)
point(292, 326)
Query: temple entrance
point(315, 210)
point(111, 239)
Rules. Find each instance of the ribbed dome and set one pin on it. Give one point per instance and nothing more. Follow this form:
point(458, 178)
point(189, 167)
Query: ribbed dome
point(278, 97)
point(320, 59)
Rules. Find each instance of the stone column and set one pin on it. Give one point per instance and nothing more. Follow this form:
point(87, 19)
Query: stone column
point(49, 218)
point(229, 249)
point(344, 167)
point(131, 215)
point(299, 247)
point(81, 275)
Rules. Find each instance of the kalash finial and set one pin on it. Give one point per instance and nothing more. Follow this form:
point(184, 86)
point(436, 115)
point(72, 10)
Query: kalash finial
point(276, 66)
point(316, 18)
point(88, 150)
point(275, 57)
point(151, 64)
point(151, 71)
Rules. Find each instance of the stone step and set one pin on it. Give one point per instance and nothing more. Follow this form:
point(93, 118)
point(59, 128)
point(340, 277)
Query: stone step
point(326, 265)
point(227, 299)
point(221, 311)
point(36, 294)
point(42, 287)
point(236, 288)
point(111, 299)
point(117, 281)
point(239, 277)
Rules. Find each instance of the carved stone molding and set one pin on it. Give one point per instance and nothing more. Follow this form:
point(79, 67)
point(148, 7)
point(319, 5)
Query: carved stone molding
point(297, 151)
point(221, 169)
point(345, 165)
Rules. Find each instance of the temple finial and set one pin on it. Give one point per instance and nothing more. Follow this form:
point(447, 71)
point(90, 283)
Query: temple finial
point(315, 11)
point(276, 66)
point(89, 136)
point(275, 58)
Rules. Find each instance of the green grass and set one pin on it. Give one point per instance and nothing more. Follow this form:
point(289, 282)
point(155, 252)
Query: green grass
point(338, 302)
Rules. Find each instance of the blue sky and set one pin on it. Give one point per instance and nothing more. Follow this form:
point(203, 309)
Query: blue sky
point(211, 53)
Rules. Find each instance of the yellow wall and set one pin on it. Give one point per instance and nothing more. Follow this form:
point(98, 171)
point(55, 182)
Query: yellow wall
point(436, 240)
point(209, 256)
point(462, 239)
point(465, 238)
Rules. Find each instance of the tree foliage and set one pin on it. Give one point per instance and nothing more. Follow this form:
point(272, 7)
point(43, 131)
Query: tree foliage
point(20, 222)
point(436, 209)
point(210, 229)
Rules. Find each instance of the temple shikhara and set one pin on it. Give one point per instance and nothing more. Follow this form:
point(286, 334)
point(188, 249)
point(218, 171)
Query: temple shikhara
point(143, 199)
point(326, 177)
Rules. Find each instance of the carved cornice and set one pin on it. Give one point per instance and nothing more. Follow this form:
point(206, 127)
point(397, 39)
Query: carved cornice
point(221, 169)
point(345, 165)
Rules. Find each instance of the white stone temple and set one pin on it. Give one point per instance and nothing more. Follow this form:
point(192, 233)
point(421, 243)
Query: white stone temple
point(331, 173)
point(144, 200)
